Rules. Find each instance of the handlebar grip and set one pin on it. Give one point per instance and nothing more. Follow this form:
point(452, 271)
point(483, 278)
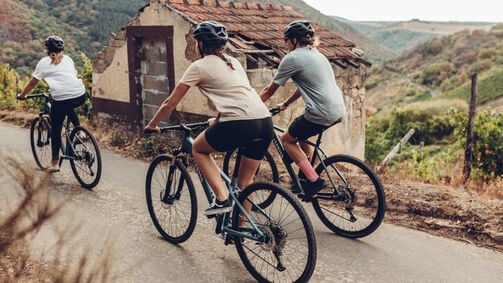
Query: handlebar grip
point(275, 110)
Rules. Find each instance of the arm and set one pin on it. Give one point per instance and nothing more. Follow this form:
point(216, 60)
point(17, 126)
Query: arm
point(31, 84)
point(295, 95)
point(268, 91)
point(168, 105)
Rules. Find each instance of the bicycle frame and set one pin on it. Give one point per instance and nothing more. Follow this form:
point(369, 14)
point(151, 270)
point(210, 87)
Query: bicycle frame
point(287, 161)
point(67, 148)
point(253, 233)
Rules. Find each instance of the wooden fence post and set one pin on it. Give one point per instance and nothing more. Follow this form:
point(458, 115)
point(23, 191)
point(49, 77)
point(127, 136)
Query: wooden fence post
point(469, 129)
point(395, 150)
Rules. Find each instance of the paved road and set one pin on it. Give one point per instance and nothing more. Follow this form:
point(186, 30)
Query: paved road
point(115, 212)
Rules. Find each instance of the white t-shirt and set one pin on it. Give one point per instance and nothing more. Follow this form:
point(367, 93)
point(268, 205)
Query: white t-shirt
point(62, 78)
point(228, 90)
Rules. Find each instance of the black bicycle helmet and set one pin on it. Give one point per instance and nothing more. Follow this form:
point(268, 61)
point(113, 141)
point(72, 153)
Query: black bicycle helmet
point(211, 32)
point(54, 44)
point(298, 29)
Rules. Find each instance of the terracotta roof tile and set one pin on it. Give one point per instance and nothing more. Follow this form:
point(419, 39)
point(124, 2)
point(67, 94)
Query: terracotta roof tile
point(260, 23)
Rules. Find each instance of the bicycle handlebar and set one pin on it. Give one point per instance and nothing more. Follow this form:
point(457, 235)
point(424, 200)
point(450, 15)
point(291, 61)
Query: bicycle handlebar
point(180, 128)
point(46, 95)
point(275, 110)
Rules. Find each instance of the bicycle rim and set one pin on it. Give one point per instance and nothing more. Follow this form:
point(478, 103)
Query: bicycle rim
point(87, 166)
point(352, 204)
point(173, 208)
point(40, 135)
point(289, 253)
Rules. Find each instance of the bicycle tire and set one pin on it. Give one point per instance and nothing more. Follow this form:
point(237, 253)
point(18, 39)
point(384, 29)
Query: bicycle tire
point(183, 178)
point(88, 158)
point(367, 206)
point(41, 149)
point(283, 231)
point(272, 167)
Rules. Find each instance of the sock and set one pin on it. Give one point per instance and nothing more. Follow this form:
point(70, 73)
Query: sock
point(308, 170)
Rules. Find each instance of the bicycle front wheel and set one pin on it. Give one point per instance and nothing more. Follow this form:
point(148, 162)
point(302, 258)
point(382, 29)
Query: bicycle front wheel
point(40, 140)
point(352, 204)
point(287, 252)
point(86, 165)
point(171, 199)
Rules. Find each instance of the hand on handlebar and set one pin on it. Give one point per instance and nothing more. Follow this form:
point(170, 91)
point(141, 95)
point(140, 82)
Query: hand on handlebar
point(281, 106)
point(20, 97)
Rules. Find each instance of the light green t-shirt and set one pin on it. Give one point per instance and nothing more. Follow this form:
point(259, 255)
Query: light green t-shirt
point(228, 90)
point(312, 73)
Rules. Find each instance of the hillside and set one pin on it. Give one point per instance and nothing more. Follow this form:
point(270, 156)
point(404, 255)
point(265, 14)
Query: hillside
point(84, 24)
point(401, 36)
point(441, 68)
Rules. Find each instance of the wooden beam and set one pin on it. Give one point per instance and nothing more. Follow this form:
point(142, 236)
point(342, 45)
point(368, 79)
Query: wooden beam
point(395, 150)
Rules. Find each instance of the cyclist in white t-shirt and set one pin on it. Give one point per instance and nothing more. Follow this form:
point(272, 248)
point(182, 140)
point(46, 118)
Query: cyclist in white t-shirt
point(67, 90)
point(243, 120)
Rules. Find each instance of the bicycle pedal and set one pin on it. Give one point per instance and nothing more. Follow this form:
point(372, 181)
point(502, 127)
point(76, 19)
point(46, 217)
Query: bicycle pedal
point(218, 228)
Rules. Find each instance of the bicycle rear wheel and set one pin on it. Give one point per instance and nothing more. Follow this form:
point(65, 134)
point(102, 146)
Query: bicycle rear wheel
point(288, 252)
point(352, 204)
point(40, 140)
point(87, 163)
point(171, 199)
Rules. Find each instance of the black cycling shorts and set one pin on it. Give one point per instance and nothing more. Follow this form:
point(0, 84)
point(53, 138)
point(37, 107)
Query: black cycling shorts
point(254, 136)
point(301, 129)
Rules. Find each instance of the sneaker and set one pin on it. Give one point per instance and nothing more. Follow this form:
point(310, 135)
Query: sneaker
point(218, 207)
point(53, 168)
point(312, 188)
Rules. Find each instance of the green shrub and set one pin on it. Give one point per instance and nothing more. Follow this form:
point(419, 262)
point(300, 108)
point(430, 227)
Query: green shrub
point(434, 74)
point(488, 142)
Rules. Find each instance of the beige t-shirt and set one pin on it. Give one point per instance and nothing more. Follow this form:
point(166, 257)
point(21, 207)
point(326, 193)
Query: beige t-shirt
point(228, 90)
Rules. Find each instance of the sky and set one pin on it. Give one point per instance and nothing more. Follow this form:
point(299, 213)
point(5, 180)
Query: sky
point(404, 10)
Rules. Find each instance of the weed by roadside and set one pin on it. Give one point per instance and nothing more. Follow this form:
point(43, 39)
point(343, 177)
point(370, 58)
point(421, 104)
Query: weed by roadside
point(32, 209)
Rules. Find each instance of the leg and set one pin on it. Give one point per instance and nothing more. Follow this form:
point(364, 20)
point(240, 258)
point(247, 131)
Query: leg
point(307, 149)
point(57, 117)
point(201, 151)
point(298, 156)
point(72, 104)
point(73, 117)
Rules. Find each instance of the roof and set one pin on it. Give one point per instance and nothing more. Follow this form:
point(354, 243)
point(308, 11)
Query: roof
point(257, 28)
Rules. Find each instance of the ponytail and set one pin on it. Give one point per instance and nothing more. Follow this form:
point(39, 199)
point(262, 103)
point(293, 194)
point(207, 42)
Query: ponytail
point(217, 50)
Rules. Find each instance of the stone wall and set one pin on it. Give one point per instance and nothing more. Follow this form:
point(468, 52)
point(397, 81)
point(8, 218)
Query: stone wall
point(153, 76)
point(111, 71)
point(347, 137)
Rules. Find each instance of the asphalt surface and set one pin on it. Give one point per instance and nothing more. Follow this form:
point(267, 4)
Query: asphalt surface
point(114, 215)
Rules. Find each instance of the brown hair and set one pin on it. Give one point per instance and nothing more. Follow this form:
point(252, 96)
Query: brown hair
point(217, 50)
point(308, 40)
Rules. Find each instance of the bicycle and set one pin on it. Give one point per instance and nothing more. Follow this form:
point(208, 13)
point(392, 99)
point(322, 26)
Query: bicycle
point(275, 243)
point(352, 203)
point(80, 146)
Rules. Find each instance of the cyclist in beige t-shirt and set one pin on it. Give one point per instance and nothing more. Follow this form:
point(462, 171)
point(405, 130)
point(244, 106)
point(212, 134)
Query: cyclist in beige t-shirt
point(243, 120)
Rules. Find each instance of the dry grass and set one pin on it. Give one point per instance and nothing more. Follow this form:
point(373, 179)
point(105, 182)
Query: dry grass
point(33, 209)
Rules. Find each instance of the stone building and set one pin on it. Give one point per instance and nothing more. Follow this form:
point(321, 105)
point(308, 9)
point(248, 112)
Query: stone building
point(143, 62)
